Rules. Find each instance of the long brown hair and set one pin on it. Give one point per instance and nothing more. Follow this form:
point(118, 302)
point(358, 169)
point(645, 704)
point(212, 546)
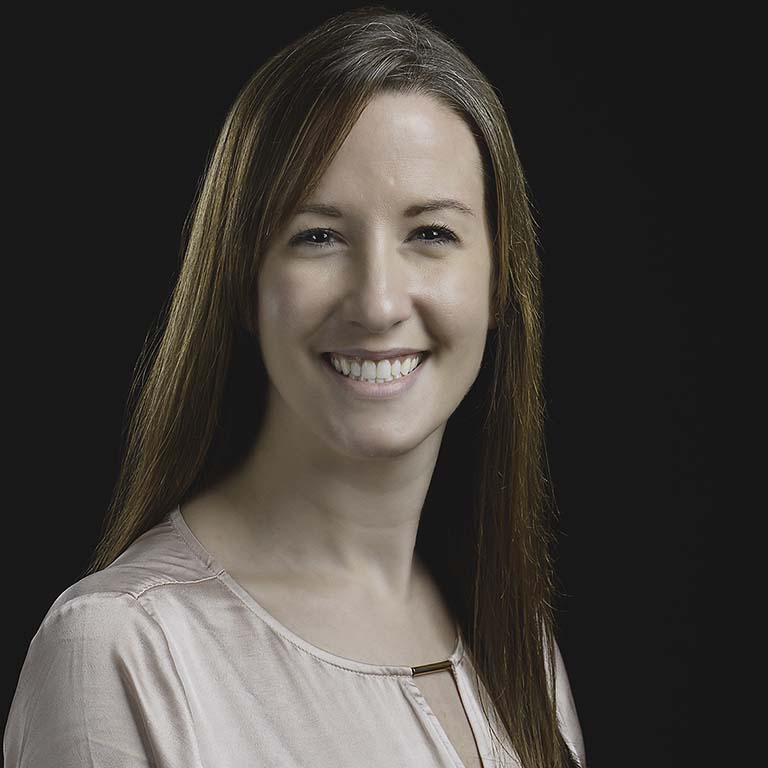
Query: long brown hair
point(194, 409)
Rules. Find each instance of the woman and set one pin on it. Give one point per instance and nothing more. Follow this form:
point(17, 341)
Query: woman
point(329, 540)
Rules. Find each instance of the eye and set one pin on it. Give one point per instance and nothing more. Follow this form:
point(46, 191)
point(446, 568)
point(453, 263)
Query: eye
point(445, 235)
point(301, 237)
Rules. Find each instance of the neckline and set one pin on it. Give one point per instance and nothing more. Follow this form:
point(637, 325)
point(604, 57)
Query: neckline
point(353, 665)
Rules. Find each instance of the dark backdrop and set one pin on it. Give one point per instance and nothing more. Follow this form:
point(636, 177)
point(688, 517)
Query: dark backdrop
point(118, 117)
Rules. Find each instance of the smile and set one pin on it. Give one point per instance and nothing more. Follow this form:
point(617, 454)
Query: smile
point(379, 371)
point(380, 379)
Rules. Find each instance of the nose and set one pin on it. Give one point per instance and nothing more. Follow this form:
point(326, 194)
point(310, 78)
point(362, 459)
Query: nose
point(380, 285)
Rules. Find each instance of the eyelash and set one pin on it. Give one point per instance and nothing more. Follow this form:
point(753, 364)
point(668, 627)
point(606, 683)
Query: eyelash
point(447, 235)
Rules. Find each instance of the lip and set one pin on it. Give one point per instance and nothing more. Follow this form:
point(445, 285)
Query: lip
point(373, 391)
point(371, 354)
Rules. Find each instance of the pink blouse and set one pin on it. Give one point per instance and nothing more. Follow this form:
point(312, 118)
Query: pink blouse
point(162, 659)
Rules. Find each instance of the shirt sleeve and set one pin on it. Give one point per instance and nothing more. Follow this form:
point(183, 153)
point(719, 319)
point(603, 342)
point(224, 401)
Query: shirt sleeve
point(99, 689)
point(566, 710)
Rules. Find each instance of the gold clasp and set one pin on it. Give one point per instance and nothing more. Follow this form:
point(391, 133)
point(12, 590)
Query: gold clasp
point(436, 666)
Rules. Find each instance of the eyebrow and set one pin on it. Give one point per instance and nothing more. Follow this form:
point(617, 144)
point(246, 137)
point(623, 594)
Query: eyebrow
point(410, 212)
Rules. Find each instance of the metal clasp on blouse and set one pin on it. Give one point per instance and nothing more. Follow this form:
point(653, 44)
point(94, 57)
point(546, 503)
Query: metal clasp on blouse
point(436, 666)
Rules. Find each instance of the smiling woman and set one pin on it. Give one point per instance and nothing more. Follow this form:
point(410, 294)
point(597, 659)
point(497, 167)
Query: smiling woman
point(329, 541)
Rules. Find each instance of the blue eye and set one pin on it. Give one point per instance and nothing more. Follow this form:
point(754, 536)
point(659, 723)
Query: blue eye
point(445, 236)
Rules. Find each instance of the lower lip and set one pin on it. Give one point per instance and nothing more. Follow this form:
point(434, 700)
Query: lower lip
point(367, 389)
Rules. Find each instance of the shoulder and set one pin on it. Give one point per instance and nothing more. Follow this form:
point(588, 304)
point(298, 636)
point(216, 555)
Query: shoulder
point(86, 640)
point(99, 685)
point(89, 614)
point(117, 599)
point(159, 556)
point(109, 615)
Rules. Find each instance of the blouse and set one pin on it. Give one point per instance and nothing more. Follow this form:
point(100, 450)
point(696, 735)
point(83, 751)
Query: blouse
point(163, 659)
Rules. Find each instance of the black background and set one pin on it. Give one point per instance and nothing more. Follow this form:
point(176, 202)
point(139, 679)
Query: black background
point(117, 118)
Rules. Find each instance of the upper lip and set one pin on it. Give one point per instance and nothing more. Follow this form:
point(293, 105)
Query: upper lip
point(372, 354)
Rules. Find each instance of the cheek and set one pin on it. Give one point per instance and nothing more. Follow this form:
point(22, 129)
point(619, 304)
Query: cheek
point(288, 301)
point(277, 300)
point(462, 297)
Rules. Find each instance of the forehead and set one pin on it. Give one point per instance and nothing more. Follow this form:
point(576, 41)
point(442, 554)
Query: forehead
point(405, 145)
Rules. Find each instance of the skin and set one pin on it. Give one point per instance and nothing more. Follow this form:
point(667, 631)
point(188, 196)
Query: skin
point(330, 497)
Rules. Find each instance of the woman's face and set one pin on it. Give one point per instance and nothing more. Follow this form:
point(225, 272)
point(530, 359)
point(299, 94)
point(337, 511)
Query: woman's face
point(377, 276)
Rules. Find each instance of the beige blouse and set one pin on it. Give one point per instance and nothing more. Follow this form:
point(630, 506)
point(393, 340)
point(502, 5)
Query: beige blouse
point(162, 659)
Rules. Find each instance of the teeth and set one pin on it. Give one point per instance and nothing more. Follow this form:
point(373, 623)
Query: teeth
point(379, 372)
